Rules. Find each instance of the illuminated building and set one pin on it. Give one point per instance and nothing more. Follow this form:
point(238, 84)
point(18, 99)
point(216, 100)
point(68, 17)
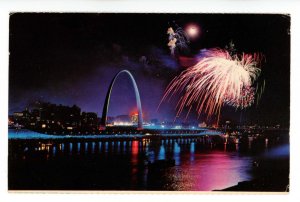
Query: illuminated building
point(202, 125)
point(134, 118)
point(18, 114)
point(122, 120)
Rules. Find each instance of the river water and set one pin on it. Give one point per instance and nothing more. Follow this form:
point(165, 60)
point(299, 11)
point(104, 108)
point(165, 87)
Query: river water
point(123, 164)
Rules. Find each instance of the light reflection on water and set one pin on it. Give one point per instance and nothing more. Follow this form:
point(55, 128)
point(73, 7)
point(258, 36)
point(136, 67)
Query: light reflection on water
point(192, 151)
point(282, 151)
point(161, 154)
point(176, 153)
point(78, 147)
point(125, 164)
point(70, 147)
point(196, 167)
point(54, 151)
point(86, 147)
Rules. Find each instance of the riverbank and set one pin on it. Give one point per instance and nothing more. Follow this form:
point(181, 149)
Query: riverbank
point(259, 186)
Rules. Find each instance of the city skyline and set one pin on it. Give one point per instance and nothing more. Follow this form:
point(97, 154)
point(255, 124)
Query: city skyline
point(71, 58)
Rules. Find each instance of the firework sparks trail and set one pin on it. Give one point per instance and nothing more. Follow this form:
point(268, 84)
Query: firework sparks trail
point(177, 39)
point(218, 79)
point(246, 99)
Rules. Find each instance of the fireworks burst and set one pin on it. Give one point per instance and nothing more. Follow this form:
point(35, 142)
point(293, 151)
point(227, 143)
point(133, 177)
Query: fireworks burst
point(218, 79)
point(177, 39)
point(245, 100)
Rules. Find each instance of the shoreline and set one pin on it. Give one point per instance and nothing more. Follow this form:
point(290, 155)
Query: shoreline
point(271, 175)
point(257, 185)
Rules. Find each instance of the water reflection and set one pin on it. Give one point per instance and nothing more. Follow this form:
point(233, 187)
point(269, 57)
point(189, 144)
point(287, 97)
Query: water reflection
point(70, 147)
point(93, 147)
point(135, 148)
point(218, 171)
point(282, 151)
point(161, 154)
point(266, 143)
point(250, 140)
point(107, 147)
point(237, 147)
point(78, 147)
point(99, 146)
point(62, 147)
point(176, 153)
point(54, 151)
point(198, 166)
point(192, 151)
point(86, 148)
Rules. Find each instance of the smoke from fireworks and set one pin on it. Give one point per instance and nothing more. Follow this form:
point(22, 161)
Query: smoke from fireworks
point(219, 78)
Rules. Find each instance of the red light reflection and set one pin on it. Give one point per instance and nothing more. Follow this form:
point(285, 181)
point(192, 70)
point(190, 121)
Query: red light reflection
point(212, 172)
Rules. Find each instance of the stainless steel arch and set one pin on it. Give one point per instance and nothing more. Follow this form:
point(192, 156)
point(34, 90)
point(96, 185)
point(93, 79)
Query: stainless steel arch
point(107, 99)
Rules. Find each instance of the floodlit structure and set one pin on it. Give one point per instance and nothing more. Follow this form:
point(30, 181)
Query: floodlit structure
point(107, 100)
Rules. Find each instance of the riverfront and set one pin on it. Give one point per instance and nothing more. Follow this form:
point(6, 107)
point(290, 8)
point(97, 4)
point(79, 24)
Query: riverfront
point(119, 163)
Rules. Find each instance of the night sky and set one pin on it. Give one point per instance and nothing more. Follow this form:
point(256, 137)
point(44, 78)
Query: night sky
point(71, 58)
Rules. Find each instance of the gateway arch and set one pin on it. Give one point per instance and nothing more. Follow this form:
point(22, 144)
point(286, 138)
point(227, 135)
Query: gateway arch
point(107, 99)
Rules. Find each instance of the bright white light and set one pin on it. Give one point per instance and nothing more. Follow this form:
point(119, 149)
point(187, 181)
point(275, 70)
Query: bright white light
point(177, 127)
point(121, 123)
point(192, 30)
